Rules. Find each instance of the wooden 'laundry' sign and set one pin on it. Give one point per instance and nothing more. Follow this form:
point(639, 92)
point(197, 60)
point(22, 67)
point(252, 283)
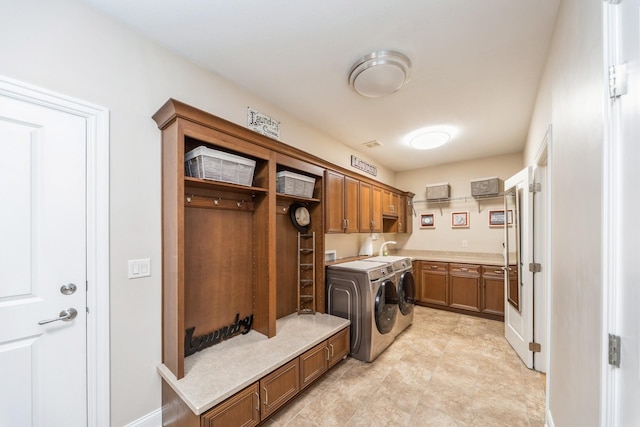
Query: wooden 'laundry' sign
point(195, 344)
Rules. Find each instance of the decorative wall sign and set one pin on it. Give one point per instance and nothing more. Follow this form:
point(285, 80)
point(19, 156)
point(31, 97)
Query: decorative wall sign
point(364, 166)
point(459, 219)
point(263, 124)
point(427, 220)
point(195, 344)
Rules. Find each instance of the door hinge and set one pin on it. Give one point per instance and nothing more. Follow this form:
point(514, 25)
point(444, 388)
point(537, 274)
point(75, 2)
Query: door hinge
point(535, 188)
point(535, 347)
point(614, 350)
point(535, 267)
point(617, 80)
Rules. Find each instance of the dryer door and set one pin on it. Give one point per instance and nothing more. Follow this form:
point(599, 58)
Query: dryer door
point(386, 307)
point(406, 293)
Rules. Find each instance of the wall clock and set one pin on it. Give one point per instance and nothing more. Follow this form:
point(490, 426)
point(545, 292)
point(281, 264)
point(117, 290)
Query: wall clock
point(300, 217)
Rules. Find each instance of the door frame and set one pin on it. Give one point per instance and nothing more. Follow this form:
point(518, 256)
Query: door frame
point(542, 254)
point(609, 375)
point(97, 211)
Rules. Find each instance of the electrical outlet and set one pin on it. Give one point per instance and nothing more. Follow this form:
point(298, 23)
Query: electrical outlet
point(139, 268)
point(465, 243)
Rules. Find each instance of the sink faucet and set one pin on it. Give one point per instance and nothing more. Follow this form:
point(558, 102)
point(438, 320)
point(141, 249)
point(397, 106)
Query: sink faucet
point(383, 247)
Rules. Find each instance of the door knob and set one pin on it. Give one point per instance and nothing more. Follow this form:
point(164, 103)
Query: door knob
point(65, 315)
point(68, 289)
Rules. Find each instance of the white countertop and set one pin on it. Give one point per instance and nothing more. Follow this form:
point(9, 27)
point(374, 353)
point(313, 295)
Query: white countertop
point(218, 372)
point(462, 257)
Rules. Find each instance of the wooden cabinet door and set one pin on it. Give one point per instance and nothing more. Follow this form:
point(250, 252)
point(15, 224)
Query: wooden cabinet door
point(492, 290)
point(313, 363)
point(376, 209)
point(365, 217)
point(351, 204)
point(464, 286)
point(278, 387)
point(390, 203)
point(334, 202)
point(434, 287)
point(241, 409)
point(402, 213)
point(339, 346)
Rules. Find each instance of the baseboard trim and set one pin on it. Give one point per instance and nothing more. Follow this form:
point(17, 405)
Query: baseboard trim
point(152, 419)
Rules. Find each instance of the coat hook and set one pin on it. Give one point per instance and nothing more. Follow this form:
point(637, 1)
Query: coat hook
point(217, 201)
point(189, 199)
point(240, 203)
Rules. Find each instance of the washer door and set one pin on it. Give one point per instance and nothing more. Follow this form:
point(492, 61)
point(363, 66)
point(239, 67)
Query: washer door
point(386, 306)
point(406, 293)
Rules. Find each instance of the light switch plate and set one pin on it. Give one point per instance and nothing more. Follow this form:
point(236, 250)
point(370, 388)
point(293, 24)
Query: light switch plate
point(139, 268)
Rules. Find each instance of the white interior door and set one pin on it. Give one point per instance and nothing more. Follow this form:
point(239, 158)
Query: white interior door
point(622, 203)
point(518, 315)
point(42, 258)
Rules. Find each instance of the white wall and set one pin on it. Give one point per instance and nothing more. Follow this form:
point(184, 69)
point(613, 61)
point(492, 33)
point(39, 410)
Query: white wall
point(480, 238)
point(66, 47)
point(571, 98)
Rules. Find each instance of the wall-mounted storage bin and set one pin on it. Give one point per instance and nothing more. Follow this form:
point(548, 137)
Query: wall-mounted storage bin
point(485, 187)
point(438, 191)
point(207, 163)
point(294, 184)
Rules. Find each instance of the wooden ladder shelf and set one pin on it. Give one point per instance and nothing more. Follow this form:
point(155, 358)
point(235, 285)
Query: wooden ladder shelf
point(306, 273)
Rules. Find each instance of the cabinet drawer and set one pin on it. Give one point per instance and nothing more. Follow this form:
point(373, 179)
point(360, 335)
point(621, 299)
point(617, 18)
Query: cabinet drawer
point(434, 266)
point(492, 271)
point(466, 269)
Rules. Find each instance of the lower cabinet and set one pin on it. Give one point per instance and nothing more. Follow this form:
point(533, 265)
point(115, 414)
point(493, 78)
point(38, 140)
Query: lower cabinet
point(339, 346)
point(493, 287)
point(313, 364)
point(242, 409)
point(278, 387)
point(260, 400)
point(434, 283)
point(468, 288)
point(464, 286)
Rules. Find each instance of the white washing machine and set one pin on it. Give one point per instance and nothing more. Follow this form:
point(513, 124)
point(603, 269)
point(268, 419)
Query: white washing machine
point(406, 287)
point(365, 293)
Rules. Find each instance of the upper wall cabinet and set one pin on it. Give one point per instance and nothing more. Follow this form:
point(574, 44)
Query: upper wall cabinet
point(341, 203)
point(370, 208)
point(390, 203)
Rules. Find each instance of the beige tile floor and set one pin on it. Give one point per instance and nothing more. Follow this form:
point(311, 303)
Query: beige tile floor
point(445, 370)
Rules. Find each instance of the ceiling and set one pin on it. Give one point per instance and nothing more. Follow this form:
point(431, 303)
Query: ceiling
point(476, 65)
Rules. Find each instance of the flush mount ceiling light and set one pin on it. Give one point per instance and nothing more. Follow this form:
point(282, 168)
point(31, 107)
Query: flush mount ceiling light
point(431, 137)
point(380, 73)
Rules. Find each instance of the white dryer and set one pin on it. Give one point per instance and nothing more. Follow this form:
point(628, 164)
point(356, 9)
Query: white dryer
point(365, 293)
point(406, 287)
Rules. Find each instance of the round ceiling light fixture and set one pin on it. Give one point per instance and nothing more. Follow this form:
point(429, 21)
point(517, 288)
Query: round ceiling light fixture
point(380, 73)
point(430, 137)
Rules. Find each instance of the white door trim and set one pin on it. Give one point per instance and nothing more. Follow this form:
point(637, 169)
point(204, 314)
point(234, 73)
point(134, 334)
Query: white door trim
point(609, 378)
point(97, 120)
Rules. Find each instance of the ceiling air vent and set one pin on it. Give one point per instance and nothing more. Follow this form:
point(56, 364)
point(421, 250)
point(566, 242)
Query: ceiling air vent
point(438, 191)
point(485, 187)
point(372, 144)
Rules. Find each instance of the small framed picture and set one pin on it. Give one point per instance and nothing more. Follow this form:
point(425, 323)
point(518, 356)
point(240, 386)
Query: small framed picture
point(427, 220)
point(496, 218)
point(459, 219)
